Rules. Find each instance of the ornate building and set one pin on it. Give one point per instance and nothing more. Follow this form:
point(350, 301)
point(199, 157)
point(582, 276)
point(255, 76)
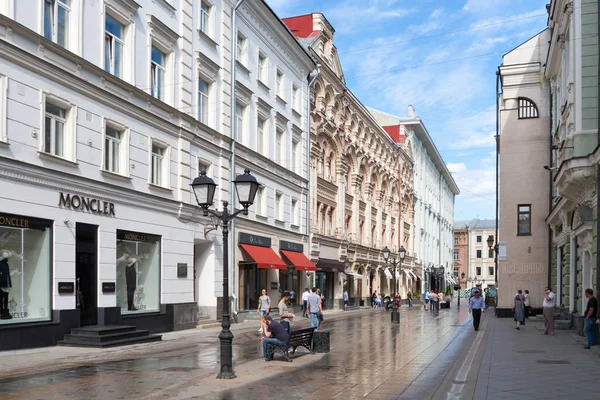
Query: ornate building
point(361, 182)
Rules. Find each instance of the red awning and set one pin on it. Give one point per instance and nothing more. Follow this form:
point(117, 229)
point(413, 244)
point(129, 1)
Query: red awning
point(265, 257)
point(299, 260)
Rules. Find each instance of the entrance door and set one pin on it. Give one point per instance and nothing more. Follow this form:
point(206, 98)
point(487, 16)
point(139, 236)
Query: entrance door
point(252, 281)
point(86, 270)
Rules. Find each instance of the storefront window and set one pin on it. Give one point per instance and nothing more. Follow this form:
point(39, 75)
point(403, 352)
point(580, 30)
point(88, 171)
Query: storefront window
point(24, 269)
point(138, 272)
point(289, 280)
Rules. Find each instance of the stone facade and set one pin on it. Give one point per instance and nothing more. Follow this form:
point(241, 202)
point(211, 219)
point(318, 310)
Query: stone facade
point(461, 254)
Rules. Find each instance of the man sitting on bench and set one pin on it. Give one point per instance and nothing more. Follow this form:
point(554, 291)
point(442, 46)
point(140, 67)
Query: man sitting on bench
point(274, 333)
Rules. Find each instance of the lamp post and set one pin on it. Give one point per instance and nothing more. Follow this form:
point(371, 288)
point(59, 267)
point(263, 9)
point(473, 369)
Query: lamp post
point(394, 263)
point(204, 190)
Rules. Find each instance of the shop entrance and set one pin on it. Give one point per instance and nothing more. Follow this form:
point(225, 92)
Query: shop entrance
point(252, 281)
point(325, 284)
point(86, 270)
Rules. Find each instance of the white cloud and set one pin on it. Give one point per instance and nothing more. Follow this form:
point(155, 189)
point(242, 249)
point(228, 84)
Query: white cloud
point(351, 15)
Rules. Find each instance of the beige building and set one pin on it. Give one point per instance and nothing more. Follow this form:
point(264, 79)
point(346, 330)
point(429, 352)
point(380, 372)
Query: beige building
point(461, 254)
point(524, 148)
point(360, 182)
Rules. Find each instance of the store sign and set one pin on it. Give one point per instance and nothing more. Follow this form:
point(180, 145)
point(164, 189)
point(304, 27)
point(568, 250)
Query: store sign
point(254, 240)
point(108, 287)
point(136, 236)
point(66, 287)
point(296, 247)
point(17, 221)
point(182, 270)
point(80, 203)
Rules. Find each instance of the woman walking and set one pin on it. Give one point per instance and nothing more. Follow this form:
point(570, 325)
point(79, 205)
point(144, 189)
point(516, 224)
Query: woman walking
point(409, 299)
point(527, 304)
point(518, 308)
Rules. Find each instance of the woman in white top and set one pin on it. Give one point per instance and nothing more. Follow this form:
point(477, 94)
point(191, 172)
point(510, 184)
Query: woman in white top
point(526, 304)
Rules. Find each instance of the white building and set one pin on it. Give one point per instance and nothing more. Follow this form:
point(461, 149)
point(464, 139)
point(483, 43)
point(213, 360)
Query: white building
point(104, 124)
point(481, 270)
point(434, 192)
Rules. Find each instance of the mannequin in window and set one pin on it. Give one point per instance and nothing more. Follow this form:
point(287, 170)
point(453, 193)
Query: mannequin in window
point(130, 277)
point(5, 281)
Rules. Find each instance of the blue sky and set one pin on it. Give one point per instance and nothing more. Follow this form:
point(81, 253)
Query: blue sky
point(441, 56)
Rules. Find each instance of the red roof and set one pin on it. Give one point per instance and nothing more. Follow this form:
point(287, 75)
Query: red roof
point(301, 26)
point(394, 132)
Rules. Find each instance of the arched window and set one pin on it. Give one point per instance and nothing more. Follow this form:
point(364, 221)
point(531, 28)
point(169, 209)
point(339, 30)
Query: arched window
point(527, 109)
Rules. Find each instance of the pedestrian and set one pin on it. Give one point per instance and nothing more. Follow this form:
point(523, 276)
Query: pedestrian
point(284, 314)
point(426, 299)
point(274, 333)
point(590, 317)
point(374, 299)
point(315, 308)
point(345, 300)
point(476, 307)
point(434, 301)
point(409, 299)
point(264, 306)
point(519, 312)
point(527, 304)
point(549, 303)
point(304, 302)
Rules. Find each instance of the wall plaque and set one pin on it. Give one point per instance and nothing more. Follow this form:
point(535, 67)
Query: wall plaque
point(254, 240)
point(290, 246)
point(108, 287)
point(66, 287)
point(274, 285)
point(182, 270)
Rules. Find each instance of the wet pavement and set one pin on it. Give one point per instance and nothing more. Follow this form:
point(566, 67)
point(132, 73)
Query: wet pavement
point(429, 355)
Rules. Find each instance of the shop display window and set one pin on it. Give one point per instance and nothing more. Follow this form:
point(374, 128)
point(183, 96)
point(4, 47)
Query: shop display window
point(25, 269)
point(138, 272)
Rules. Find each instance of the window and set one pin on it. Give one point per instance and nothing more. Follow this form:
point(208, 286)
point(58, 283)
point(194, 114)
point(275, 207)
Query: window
point(295, 212)
point(263, 68)
point(478, 271)
point(479, 238)
point(295, 97)
point(524, 219)
point(279, 206)
point(456, 253)
point(240, 114)
point(260, 201)
point(330, 223)
point(491, 271)
point(157, 73)
point(203, 88)
point(58, 135)
point(295, 145)
point(115, 149)
point(455, 272)
point(491, 253)
point(159, 164)
point(279, 84)
point(113, 47)
point(455, 241)
point(527, 109)
point(56, 21)
point(206, 167)
point(279, 147)
point(138, 272)
point(260, 135)
point(205, 18)
point(478, 253)
point(241, 48)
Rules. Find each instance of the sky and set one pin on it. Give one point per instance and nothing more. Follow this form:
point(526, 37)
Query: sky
point(441, 57)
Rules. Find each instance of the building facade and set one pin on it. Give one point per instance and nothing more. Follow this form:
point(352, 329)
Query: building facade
point(461, 254)
point(481, 272)
point(98, 223)
point(524, 195)
point(360, 182)
point(434, 191)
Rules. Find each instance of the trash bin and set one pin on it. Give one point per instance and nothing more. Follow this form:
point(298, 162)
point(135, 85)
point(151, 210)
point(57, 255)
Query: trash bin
point(321, 342)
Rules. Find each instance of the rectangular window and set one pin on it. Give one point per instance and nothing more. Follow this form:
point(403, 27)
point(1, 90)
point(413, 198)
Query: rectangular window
point(491, 253)
point(279, 147)
point(157, 73)
point(54, 130)
point(279, 84)
point(113, 47)
point(260, 201)
point(159, 164)
point(25, 266)
point(478, 253)
point(241, 48)
point(112, 149)
point(455, 241)
point(456, 253)
point(240, 113)
point(56, 21)
point(295, 167)
point(491, 271)
point(205, 18)
point(260, 135)
point(263, 68)
point(279, 206)
point(524, 219)
point(295, 99)
point(203, 90)
point(138, 272)
point(295, 213)
point(479, 238)
point(478, 271)
point(206, 167)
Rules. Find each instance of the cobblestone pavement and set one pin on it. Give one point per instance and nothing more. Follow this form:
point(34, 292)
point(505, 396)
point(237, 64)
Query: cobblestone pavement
point(429, 355)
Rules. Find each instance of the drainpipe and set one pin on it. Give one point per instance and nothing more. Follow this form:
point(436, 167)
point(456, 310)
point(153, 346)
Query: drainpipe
point(598, 176)
point(550, 199)
point(496, 246)
point(233, 122)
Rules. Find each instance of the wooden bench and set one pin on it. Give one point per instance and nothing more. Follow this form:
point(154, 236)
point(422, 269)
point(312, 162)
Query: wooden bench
point(300, 337)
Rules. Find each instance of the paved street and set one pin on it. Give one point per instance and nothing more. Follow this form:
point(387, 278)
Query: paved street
point(430, 355)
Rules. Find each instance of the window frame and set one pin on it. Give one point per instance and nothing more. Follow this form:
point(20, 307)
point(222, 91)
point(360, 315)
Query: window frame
point(491, 271)
point(155, 68)
point(240, 121)
point(261, 201)
point(260, 134)
point(456, 255)
point(164, 167)
point(479, 254)
point(279, 145)
point(208, 167)
point(262, 72)
point(479, 238)
point(3, 109)
point(241, 51)
point(478, 271)
point(279, 204)
point(295, 97)
point(295, 208)
point(203, 110)
point(123, 156)
point(527, 109)
point(205, 18)
point(519, 213)
point(54, 23)
point(113, 39)
point(69, 132)
point(279, 83)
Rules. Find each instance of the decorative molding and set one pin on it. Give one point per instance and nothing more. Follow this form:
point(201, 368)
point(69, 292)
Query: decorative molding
point(160, 33)
point(125, 9)
point(243, 94)
point(207, 68)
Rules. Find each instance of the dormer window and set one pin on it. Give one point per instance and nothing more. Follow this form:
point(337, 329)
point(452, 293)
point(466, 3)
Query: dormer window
point(527, 109)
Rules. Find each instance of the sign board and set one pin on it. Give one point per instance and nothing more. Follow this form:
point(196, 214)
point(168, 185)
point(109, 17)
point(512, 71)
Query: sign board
point(290, 246)
point(66, 287)
point(108, 287)
point(254, 240)
point(274, 285)
point(82, 203)
point(182, 270)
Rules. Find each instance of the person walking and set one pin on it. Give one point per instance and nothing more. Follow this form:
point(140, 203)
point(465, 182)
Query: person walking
point(346, 297)
point(426, 300)
point(476, 307)
point(519, 312)
point(409, 299)
point(315, 309)
point(527, 304)
point(590, 317)
point(264, 306)
point(549, 303)
point(305, 302)
point(433, 301)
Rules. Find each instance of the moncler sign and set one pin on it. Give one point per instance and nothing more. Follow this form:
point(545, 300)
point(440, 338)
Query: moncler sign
point(81, 203)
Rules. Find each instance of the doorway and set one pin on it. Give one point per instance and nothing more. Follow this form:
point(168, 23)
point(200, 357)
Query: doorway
point(86, 273)
point(251, 281)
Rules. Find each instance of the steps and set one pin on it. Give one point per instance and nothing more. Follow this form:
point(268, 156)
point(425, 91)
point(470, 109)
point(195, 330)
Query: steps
point(205, 322)
point(98, 336)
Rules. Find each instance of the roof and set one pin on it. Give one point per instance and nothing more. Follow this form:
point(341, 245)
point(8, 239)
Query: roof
point(475, 223)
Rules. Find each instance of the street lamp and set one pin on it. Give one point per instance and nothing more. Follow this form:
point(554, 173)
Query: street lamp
point(394, 263)
point(246, 187)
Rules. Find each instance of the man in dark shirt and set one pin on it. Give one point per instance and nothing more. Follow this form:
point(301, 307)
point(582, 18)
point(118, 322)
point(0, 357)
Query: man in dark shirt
point(274, 333)
point(590, 318)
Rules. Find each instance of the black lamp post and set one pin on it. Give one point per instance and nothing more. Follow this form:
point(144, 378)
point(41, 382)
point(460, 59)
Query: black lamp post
point(394, 263)
point(204, 190)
